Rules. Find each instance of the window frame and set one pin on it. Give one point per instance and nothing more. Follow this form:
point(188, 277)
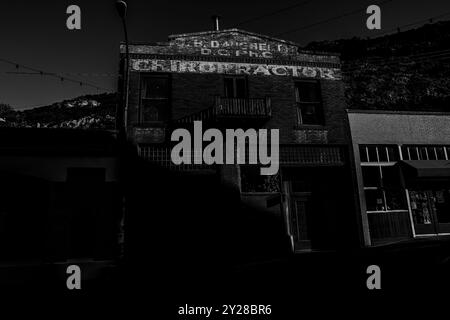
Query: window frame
point(142, 97)
point(300, 105)
point(235, 90)
point(380, 164)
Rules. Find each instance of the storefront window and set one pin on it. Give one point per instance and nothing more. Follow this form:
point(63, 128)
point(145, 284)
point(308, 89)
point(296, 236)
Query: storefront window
point(416, 152)
point(395, 199)
point(371, 176)
point(382, 188)
point(374, 200)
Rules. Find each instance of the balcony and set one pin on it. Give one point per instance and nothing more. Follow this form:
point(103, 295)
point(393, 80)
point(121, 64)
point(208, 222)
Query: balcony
point(236, 110)
point(242, 108)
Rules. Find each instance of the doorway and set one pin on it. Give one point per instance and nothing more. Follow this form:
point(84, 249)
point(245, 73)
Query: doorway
point(430, 211)
point(300, 215)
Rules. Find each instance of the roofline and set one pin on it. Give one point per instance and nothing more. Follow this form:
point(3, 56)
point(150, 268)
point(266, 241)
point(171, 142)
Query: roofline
point(232, 30)
point(399, 112)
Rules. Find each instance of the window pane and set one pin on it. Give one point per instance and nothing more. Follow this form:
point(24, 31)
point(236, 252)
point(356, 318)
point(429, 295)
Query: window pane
point(156, 87)
point(155, 110)
point(308, 91)
point(440, 153)
point(372, 153)
point(405, 153)
point(241, 88)
point(413, 153)
point(371, 176)
point(395, 199)
point(310, 114)
point(382, 154)
point(363, 153)
point(431, 153)
point(391, 177)
point(420, 207)
point(374, 200)
point(423, 153)
point(393, 153)
point(229, 87)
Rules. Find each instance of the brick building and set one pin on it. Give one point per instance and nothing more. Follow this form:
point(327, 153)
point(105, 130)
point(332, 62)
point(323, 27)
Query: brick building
point(237, 79)
point(402, 174)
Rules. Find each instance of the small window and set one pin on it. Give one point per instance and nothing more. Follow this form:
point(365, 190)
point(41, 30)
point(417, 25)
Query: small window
point(235, 87)
point(363, 153)
point(373, 154)
point(440, 153)
point(371, 176)
point(374, 200)
point(423, 154)
point(413, 153)
point(154, 99)
point(393, 153)
point(309, 102)
point(382, 154)
point(432, 155)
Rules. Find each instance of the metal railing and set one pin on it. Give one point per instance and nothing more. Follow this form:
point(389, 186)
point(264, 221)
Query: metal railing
point(243, 107)
point(235, 108)
point(290, 155)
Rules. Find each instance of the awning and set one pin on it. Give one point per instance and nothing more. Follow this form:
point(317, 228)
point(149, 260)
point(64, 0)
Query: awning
point(426, 168)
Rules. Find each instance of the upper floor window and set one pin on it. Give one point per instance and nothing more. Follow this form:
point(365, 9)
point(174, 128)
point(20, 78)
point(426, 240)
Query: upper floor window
point(379, 153)
point(235, 87)
point(421, 152)
point(309, 102)
point(155, 99)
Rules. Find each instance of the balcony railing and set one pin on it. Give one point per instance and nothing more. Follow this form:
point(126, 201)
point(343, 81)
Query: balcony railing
point(290, 155)
point(241, 107)
point(231, 108)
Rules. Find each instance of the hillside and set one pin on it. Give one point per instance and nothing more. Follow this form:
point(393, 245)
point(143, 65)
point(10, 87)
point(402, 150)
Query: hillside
point(87, 112)
point(404, 71)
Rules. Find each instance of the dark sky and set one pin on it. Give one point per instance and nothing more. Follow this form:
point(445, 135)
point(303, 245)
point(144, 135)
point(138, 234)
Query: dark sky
point(34, 33)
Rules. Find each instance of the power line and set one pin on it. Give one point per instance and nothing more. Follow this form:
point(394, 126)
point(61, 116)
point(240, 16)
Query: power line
point(50, 74)
point(430, 19)
point(269, 14)
point(329, 19)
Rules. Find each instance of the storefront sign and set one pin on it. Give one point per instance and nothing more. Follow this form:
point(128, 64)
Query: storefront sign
point(179, 66)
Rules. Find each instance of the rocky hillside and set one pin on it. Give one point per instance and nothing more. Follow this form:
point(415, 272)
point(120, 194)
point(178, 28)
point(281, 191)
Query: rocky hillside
point(87, 112)
point(404, 71)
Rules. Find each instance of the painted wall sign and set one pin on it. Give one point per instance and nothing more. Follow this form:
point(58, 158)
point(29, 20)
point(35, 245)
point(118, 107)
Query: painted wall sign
point(235, 44)
point(232, 48)
point(182, 66)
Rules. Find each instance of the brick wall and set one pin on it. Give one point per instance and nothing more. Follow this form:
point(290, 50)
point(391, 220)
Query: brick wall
point(194, 92)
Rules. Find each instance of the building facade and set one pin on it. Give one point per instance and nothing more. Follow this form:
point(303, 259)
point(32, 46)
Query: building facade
point(402, 169)
point(236, 79)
